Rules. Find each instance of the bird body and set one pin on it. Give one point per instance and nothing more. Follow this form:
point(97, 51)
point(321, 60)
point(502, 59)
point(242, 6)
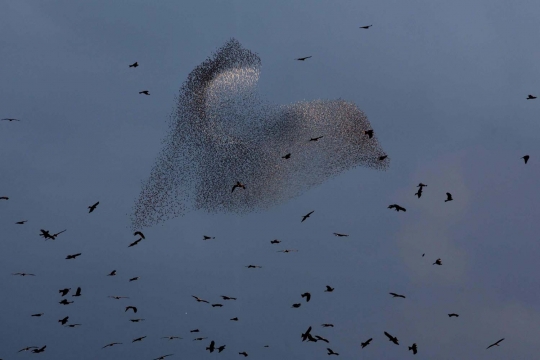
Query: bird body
point(132, 308)
point(366, 343)
point(307, 296)
point(211, 347)
point(73, 256)
point(495, 343)
point(397, 207)
point(531, 97)
point(21, 222)
point(437, 262)
point(134, 65)
point(307, 215)
point(238, 185)
point(331, 352)
point(366, 27)
point(397, 295)
point(526, 158)
point(287, 156)
point(145, 92)
point(392, 338)
point(329, 288)
point(414, 348)
point(448, 197)
point(340, 235)
point(369, 133)
point(78, 292)
point(453, 315)
point(93, 207)
point(303, 58)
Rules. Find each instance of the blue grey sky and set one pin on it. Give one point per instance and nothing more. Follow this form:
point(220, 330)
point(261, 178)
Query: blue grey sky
point(443, 85)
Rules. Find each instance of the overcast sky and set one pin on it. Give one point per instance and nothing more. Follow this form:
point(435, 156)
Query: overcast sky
point(443, 85)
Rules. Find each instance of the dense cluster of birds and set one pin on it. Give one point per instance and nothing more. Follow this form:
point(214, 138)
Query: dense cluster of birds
point(207, 134)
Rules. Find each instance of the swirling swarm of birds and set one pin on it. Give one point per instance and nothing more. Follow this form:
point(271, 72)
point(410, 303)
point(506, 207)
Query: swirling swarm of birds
point(222, 132)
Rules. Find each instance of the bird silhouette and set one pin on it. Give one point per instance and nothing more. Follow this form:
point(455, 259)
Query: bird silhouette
point(437, 262)
point(112, 273)
point(134, 65)
point(305, 335)
point(253, 266)
point(23, 274)
point(65, 302)
point(243, 353)
point(21, 222)
point(238, 185)
point(525, 158)
point(171, 337)
point(397, 207)
point(200, 338)
point(366, 343)
point(135, 242)
point(4, 198)
point(40, 350)
point(287, 156)
point(78, 292)
point(366, 27)
point(227, 297)
point(134, 278)
point(307, 296)
point(234, 319)
point(93, 207)
point(453, 315)
point(217, 305)
point(73, 325)
point(145, 92)
point(64, 292)
point(10, 119)
point(397, 295)
point(318, 337)
point(132, 308)
point(329, 288)
point(531, 97)
point(208, 237)
point(221, 348)
point(37, 315)
point(139, 234)
point(331, 352)
point(28, 348)
point(211, 347)
point(495, 343)
point(421, 185)
point(296, 306)
point(414, 348)
point(340, 235)
point(199, 299)
point(369, 133)
point(118, 297)
point(327, 325)
point(303, 58)
point(287, 250)
point(307, 215)
point(419, 193)
point(162, 357)
point(73, 256)
point(111, 344)
point(448, 197)
point(316, 138)
point(194, 331)
point(392, 338)
point(64, 320)
point(138, 339)
point(136, 320)
point(275, 241)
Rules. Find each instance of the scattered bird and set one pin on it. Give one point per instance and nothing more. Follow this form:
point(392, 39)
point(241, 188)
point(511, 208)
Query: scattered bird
point(227, 297)
point(28, 348)
point(243, 353)
point(392, 338)
point(316, 138)
point(135, 242)
point(234, 319)
point(448, 197)
point(134, 278)
point(414, 348)
point(340, 235)
point(93, 207)
point(73, 325)
point(307, 57)
point(9, 119)
point(211, 347)
point(64, 320)
point(217, 305)
point(453, 315)
point(253, 266)
point(307, 215)
point(397, 207)
point(421, 185)
point(369, 133)
point(366, 343)
point(287, 250)
point(64, 292)
point(139, 233)
point(136, 320)
point(322, 339)
point(199, 299)
point(45, 234)
point(306, 334)
point(112, 273)
point(288, 156)
point(238, 185)
point(163, 357)
point(307, 296)
point(437, 262)
point(132, 308)
point(23, 274)
point(381, 158)
point(145, 92)
point(397, 295)
point(331, 352)
point(78, 292)
point(419, 193)
point(138, 339)
point(73, 256)
point(118, 297)
point(296, 305)
point(171, 337)
point(4, 198)
point(37, 315)
point(366, 27)
point(531, 97)
point(65, 302)
point(209, 237)
point(40, 350)
point(526, 158)
point(134, 65)
point(275, 241)
point(200, 338)
point(221, 348)
point(329, 288)
point(195, 330)
point(111, 344)
point(327, 325)
point(21, 222)
point(495, 343)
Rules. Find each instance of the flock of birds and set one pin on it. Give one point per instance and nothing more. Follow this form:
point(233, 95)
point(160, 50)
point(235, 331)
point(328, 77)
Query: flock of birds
point(305, 336)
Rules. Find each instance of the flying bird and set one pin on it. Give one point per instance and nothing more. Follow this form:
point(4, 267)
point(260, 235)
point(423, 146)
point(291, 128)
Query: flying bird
point(132, 308)
point(200, 338)
point(369, 133)
point(221, 348)
point(287, 250)
point(73, 325)
point(366, 27)
point(288, 156)
point(145, 92)
point(397, 295)
point(64, 320)
point(306, 334)
point(448, 197)
point(73, 256)
point(93, 207)
point(23, 274)
point(111, 344)
point(322, 339)
point(28, 348)
point(78, 292)
point(211, 347)
point(134, 278)
point(495, 343)
point(136, 320)
point(253, 266)
point(217, 305)
point(327, 325)
point(307, 57)
point(531, 97)
point(21, 222)
point(296, 306)
point(381, 158)
point(392, 338)
point(397, 207)
point(134, 65)
point(112, 273)
point(276, 241)
point(171, 337)
point(10, 119)
point(307, 215)
point(329, 288)
point(195, 330)
point(139, 233)
point(331, 352)
point(421, 185)
point(340, 235)
point(118, 297)
point(208, 237)
point(238, 185)
point(37, 315)
point(135, 242)
point(40, 350)
point(64, 292)
point(138, 339)
point(243, 353)
point(4, 198)
point(163, 357)
point(453, 315)
point(366, 343)
point(414, 348)
point(227, 297)
point(526, 158)
point(419, 193)
point(316, 138)
point(65, 302)
point(234, 319)
point(437, 262)
point(307, 296)
point(199, 299)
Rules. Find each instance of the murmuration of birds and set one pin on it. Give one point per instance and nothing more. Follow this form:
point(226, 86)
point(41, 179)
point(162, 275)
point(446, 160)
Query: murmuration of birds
point(223, 133)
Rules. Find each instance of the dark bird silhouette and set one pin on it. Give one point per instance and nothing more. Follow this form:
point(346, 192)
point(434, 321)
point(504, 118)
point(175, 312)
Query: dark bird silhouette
point(37, 315)
point(243, 353)
point(296, 305)
point(73, 256)
point(23, 274)
point(93, 207)
point(238, 185)
point(288, 156)
point(366, 27)
point(4, 198)
point(366, 343)
point(331, 352)
point(227, 297)
point(132, 308)
point(73, 325)
point(28, 348)
point(139, 233)
point(138, 339)
point(78, 292)
point(448, 197)
point(329, 288)
point(47, 235)
point(136, 320)
point(217, 305)
point(381, 158)
point(64, 292)
point(199, 299)
point(531, 97)
point(208, 237)
point(307, 57)
point(419, 193)
point(234, 319)
point(134, 65)
point(306, 334)
point(437, 262)
point(453, 315)
point(307, 215)
point(195, 330)
point(397, 207)
point(163, 357)
point(526, 158)
point(275, 241)
point(64, 320)
point(327, 325)
point(112, 273)
point(111, 344)
point(118, 297)
point(316, 138)
point(200, 338)
point(414, 348)
point(171, 337)
point(423, 254)
point(310, 338)
point(211, 347)
point(421, 185)
point(40, 350)
point(495, 343)
point(253, 266)
point(10, 119)
point(392, 338)
point(21, 222)
point(221, 348)
point(397, 295)
point(307, 296)
point(65, 302)
point(287, 250)
point(369, 133)
point(135, 242)
point(322, 339)
point(134, 278)
point(145, 92)
point(340, 235)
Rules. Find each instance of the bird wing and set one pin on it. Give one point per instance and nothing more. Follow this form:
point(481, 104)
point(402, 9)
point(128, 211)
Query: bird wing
point(388, 335)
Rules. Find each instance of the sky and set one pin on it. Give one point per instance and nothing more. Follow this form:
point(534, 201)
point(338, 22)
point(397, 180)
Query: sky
point(444, 85)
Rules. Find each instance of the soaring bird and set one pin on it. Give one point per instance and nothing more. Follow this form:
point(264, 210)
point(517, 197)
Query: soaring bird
point(276, 241)
point(195, 330)
point(392, 338)
point(414, 348)
point(138, 339)
point(322, 339)
point(307, 296)
point(287, 250)
point(64, 292)
point(21, 222)
point(366, 343)
point(234, 319)
point(78, 292)
point(307, 215)
point(238, 185)
point(397, 207)
point(453, 315)
point(437, 262)
point(65, 302)
point(331, 352)
point(199, 299)
point(112, 273)
point(208, 237)
point(139, 233)
point(397, 295)
point(307, 57)
point(111, 344)
point(217, 305)
point(40, 350)
point(200, 338)
point(93, 207)
point(296, 306)
point(227, 297)
point(316, 138)
point(306, 334)
point(73, 325)
point(4, 198)
point(421, 185)
point(531, 97)
point(382, 157)
point(243, 353)
point(134, 278)
point(135, 242)
point(221, 348)
point(171, 337)
point(211, 347)
point(526, 158)
point(37, 315)
point(64, 320)
point(132, 308)
point(134, 65)
point(419, 193)
point(145, 92)
point(118, 297)
point(495, 343)
point(329, 288)
point(448, 197)
point(10, 119)
point(253, 266)
point(23, 274)
point(369, 133)
point(28, 348)
point(287, 156)
point(73, 256)
point(136, 320)
point(162, 357)
point(340, 235)
point(327, 325)
point(366, 27)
